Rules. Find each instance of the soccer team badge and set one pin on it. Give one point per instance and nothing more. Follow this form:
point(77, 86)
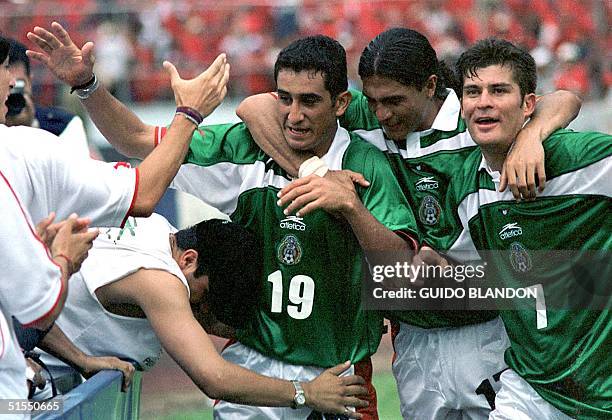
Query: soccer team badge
point(289, 251)
point(519, 258)
point(429, 211)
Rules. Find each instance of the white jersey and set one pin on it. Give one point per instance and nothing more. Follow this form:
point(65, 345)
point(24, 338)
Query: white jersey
point(142, 243)
point(48, 176)
point(44, 176)
point(27, 294)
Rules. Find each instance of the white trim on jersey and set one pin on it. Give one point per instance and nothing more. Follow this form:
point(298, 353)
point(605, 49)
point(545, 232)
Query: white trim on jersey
point(460, 141)
point(220, 185)
point(448, 115)
point(590, 180)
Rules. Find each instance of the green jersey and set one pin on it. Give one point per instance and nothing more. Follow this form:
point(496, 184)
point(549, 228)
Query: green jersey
point(423, 166)
point(564, 354)
point(311, 311)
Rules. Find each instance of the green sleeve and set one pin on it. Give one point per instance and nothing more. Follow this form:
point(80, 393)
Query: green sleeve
point(567, 151)
point(212, 144)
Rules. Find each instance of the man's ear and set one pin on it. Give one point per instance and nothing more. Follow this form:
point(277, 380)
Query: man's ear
point(529, 104)
point(188, 261)
point(430, 85)
point(343, 100)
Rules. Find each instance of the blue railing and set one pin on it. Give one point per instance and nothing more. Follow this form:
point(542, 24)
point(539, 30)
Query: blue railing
point(100, 398)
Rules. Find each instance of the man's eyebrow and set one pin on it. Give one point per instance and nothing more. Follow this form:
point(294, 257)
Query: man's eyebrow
point(386, 98)
point(310, 96)
point(501, 84)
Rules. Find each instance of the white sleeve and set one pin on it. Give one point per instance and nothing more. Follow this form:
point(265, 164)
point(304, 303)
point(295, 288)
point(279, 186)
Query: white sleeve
point(67, 184)
point(31, 283)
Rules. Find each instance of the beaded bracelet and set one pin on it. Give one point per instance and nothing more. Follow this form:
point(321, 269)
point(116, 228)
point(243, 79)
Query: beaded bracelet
point(191, 114)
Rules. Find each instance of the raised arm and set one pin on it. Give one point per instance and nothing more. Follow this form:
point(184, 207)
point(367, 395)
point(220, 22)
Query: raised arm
point(74, 66)
point(123, 129)
point(258, 112)
point(525, 161)
point(165, 302)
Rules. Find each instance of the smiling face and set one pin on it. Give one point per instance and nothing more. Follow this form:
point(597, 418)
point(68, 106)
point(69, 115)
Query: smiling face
point(399, 108)
point(7, 81)
point(493, 107)
point(307, 112)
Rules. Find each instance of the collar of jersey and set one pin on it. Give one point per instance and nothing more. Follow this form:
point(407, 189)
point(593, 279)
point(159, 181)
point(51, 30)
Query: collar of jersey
point(447, 119)
point(333, 157)
point(484, 165)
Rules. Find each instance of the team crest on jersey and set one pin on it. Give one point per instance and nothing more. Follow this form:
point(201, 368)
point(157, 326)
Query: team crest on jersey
point(293, 223)
point(429, 211)
point(426, 183)
point(289, 251)
point(510, 230)
point(519, 258)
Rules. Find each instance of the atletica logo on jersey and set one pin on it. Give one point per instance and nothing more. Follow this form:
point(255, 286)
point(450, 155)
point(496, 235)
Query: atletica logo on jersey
point(426, 183)
point(519, 257)
point(289, 251)
point(510, 231)
point(293, 222)
point(429, 211)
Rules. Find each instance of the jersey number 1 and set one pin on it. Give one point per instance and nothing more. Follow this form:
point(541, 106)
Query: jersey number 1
point(301, 295)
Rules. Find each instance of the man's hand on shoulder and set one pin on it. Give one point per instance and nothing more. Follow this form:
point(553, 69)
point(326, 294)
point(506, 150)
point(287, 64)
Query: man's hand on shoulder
point(334, 193)
point(523, 168)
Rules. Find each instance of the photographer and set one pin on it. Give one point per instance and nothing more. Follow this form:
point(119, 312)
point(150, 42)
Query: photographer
point(23, 111)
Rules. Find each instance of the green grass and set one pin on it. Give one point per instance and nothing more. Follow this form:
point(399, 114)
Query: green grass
point(388, 403)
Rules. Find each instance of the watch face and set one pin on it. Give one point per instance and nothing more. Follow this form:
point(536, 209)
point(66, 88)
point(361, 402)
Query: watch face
point(300, 399)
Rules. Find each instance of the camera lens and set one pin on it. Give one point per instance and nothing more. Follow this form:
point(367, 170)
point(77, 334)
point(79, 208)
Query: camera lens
point(15, 103)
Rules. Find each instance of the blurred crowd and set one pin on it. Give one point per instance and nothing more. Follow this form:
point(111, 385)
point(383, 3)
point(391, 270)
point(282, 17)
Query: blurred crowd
point(570, 39)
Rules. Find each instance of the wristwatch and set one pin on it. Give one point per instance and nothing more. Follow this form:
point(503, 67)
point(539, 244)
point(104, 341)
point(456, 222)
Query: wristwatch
point(299, 399)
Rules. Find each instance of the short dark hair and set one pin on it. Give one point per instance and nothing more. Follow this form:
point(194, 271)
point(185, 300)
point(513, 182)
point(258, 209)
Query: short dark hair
point(232, 258)
point(5, 47)
point(318, 53)
point(495, 51)
point(406, 56)
point(18, 54)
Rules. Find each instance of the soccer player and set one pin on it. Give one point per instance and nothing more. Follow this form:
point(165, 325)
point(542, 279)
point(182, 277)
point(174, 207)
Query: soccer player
point(310, 316)
point(559, 357)
point(135, 294)
point(442, 358)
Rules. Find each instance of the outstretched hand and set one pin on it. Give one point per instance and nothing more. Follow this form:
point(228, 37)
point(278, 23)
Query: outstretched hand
point(71, 64)
point(331, 393)
point(204, 92)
